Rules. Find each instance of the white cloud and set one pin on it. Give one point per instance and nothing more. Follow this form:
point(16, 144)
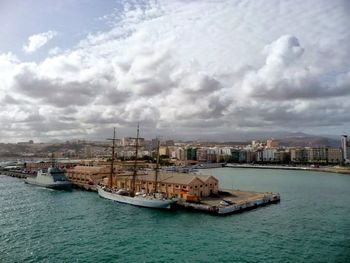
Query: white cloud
point(190, 68)
point(38, 40)
point(286, 75)
point(54, 51)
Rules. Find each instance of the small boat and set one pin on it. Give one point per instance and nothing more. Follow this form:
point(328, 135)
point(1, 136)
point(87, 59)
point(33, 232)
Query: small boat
point(53, 178)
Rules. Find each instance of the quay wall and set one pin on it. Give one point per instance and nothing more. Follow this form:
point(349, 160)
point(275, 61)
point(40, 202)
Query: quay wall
point(246, 201)
point(336, 169)
point(15, 174)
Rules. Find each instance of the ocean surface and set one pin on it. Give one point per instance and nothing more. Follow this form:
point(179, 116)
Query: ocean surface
point(310, 224)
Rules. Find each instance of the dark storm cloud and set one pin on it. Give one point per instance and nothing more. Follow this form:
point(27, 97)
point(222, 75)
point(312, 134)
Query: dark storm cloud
point(54, 92)
point(36, 117)
point(9, 99)
point(306, 114)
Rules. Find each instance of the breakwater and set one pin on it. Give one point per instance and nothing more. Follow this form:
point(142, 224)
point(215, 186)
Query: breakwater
point(328, 169)
point(280, 167)
point(18, 174)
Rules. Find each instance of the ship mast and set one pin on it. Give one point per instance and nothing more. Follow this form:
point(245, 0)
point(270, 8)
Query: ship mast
point(52, 160)
point(133, 182)
point(157, 169)
point(110, 180)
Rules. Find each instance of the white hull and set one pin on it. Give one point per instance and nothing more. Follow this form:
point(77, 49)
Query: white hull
point(137, 200)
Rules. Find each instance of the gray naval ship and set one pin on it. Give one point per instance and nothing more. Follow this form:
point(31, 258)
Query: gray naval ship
point(53, 178)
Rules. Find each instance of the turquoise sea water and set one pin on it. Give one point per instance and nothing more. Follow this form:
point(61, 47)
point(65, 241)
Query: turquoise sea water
point(310, 224)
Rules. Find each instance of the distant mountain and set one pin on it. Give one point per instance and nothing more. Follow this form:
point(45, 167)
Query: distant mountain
point(290, 139)
point(306, 140)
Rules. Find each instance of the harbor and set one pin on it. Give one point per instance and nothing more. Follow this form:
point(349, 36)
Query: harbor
point(141, 184)
point(216, 202)
point(33, 217)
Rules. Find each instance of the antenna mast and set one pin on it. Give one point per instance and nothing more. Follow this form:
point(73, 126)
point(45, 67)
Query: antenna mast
point(157, 168)
point(110, 180)
point(52, 160)
point(135, 163)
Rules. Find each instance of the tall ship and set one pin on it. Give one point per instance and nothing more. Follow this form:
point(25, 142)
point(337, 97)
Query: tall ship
point(129, 196)
point(156, 200)
point(53, 178)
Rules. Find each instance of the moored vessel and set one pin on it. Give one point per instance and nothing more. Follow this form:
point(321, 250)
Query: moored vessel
point(156, 200)
point(128, 196)
point(53, 178)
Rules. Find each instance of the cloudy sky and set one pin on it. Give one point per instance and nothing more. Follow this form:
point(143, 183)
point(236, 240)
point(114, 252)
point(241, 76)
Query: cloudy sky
point(209, 69)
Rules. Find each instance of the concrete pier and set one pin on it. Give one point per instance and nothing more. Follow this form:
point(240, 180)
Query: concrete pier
point(232, 201)
point(16, 174)
point(278, 167)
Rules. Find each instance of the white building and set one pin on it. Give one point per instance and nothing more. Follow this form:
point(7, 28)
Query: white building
point(269, 154)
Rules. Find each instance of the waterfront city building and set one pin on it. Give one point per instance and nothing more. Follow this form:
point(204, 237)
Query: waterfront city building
point(271, 143)
point(202, 155)
point(163, 150)
point(269, 154)
point(131, 141)
point(334, 155)
point(317, 155)
point(299, 155)
point(172, 152)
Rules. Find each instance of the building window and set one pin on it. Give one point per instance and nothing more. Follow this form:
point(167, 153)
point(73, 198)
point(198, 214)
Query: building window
point(195, 186)
point(206, 185)
point(163, 184)
point(211, 184)
point(191, 187)
point(200, 185)
point(177, 186)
